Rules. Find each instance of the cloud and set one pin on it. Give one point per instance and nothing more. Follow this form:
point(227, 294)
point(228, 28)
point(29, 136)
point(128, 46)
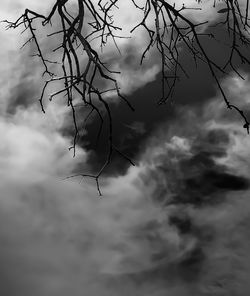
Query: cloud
point(32, 143)
point(176, 224)
point(133, 75)
point(59, 238)
point(200, 177)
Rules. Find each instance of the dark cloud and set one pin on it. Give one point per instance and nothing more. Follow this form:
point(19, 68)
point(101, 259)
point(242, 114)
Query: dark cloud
point(191, 93)
point(25, 83)
point(189, 179)
point(197, 178)
point(23, 94)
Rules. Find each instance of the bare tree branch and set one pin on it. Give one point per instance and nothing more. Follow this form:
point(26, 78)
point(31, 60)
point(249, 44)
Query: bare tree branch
point(172, 30)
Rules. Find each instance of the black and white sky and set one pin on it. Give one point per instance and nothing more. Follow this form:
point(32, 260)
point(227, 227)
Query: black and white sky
point(174, 224)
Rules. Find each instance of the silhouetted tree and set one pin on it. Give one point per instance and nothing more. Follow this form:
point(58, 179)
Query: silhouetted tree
point(76, 24)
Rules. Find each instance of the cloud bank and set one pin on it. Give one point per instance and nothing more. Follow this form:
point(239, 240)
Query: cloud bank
point(175, 224)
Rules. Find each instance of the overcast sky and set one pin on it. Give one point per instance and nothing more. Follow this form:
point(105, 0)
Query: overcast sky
point(174, 224)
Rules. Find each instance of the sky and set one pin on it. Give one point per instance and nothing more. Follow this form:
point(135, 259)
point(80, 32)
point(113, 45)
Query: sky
point(174, 224)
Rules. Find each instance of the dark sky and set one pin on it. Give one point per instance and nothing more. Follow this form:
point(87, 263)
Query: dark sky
point(191, 92)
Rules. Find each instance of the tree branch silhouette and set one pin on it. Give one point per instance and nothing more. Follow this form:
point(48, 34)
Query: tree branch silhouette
point(79, 24)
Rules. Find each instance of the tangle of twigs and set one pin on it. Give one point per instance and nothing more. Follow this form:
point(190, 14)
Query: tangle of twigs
point(172, 30)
